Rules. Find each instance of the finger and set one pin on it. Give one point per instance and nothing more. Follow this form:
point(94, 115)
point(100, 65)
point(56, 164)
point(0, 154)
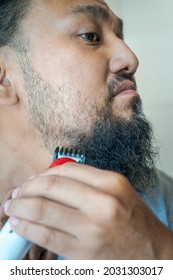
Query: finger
point(49, 214)
point(66, 191)
point(107, 181)
point(55, 241)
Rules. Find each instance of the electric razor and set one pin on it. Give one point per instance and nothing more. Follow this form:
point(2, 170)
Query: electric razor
point(14, 246)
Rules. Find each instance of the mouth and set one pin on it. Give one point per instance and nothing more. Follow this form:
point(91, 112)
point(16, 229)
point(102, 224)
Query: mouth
point(126, 88)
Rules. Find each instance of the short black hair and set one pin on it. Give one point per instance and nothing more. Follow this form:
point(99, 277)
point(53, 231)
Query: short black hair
point(12, 12)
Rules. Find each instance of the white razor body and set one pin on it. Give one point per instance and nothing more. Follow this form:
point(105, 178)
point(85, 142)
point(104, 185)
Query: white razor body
point(12, 245)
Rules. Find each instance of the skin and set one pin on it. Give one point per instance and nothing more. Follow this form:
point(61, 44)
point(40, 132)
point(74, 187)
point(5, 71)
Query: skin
point(50, 208)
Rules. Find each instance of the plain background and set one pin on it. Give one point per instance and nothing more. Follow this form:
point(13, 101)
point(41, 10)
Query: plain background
point(148, 30)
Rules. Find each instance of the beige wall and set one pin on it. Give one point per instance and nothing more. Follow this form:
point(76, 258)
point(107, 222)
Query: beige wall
point(148, 27)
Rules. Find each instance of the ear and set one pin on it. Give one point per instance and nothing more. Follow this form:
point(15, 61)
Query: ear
point(8, 95)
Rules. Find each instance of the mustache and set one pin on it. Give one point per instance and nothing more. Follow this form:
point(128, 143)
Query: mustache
point(119, 82)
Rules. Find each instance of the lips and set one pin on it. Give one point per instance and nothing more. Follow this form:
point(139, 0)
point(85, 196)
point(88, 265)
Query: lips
point(125, 88)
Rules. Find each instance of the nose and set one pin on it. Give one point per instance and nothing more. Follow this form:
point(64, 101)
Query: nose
point(123, 60)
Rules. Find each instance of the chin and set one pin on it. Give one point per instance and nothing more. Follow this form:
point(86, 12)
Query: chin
point(126, 108)
point(124, 113)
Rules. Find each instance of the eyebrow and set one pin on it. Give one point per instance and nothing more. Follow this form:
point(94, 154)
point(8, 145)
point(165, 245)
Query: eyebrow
point(97, 12)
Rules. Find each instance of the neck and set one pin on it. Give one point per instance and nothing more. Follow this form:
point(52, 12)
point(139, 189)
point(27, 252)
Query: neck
point(19, 164)
point(22, 151)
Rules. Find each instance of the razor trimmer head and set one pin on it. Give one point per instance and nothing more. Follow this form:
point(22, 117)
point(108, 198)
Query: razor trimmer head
point(74, 154)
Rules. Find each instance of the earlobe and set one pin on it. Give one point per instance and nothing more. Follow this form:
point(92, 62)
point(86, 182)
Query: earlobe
point(8, 94)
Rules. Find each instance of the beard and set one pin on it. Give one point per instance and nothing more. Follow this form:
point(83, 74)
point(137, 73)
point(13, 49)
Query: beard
point(114, 143)
point(126, 147)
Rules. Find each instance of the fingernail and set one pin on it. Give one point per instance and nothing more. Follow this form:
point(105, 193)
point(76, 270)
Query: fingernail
point(14, 221)
point(6, 205)
point(15, 192)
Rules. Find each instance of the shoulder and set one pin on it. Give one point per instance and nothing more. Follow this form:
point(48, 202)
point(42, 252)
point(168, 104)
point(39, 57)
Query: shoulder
point(166, 188)
point(160, 199)
point(165, 181)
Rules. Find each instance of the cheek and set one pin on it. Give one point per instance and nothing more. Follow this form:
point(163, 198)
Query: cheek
point(85, 71)
point(78, 111)
point(90, 85)
point(81, 78)
point(89, 73)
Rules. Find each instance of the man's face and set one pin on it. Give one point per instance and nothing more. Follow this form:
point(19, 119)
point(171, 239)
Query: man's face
point(79, 77)
point(78, 61)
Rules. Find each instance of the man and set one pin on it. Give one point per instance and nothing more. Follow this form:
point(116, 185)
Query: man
point(67, 79)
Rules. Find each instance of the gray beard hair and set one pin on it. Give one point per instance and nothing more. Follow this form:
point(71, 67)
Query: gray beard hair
point(126, 147)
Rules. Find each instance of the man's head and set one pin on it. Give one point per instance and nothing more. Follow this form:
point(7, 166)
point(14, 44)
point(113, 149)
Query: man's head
point(75, 78)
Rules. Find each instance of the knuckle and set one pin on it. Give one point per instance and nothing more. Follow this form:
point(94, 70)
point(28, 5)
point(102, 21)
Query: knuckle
point(50, 183)
point(117, 178)
point(45, 238)
point(24, 188)
point(117, 182)
point(26, 229)
point(38, 209)
point(44, 234)
point(111, 208)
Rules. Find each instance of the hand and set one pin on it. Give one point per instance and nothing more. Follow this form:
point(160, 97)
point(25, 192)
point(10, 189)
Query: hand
point(36, 252)
point(81, 212)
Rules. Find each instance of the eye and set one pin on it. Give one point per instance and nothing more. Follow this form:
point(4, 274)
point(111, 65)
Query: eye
point(91, 36)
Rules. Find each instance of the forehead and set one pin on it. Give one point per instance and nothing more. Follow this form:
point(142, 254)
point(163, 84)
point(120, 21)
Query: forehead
point(65, 7)
point(67, 3)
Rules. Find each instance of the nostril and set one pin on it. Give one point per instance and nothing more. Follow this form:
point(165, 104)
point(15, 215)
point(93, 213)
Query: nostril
point(118, 67)
point(122, 59)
